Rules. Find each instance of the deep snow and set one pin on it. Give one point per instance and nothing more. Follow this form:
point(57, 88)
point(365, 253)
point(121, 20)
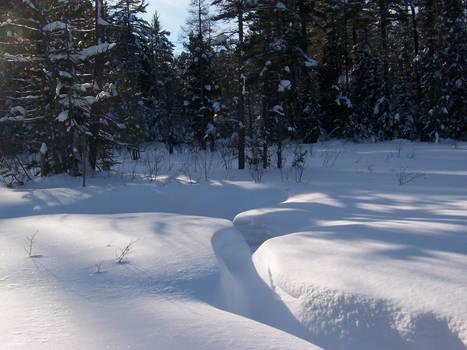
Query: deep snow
point(370, 252)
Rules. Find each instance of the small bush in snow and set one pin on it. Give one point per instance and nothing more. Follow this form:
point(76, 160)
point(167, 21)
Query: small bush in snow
point(154, 163)
point(330, 157)
point(120, 257)
point(190, 164)
point(404, 177)
point(99, 267)
point(398, 150)
point(226, 152)
point(255, 164)
point(29, 245)
point(411, 155)
point(133, 171)
point(299, 162)
point(207, 164)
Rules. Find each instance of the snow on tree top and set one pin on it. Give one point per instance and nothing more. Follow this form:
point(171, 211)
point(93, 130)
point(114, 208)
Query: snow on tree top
point(95, 50)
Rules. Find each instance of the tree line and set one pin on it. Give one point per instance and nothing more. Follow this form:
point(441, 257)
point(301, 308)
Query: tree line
point(80, 77)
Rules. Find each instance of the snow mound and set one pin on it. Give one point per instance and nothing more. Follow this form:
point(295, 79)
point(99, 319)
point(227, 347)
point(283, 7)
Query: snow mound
point(167, 293)
point(349, 300)
point(371, 254)
point(365, 260)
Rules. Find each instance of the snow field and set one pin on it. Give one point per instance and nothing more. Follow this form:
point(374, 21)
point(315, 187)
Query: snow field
point(167, 293)
point(369, 263)
point(367, 252)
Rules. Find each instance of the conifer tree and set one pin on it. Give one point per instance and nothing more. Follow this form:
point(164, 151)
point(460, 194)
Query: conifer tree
point(162, 86)
point(238, 10)
point(53, 92)
point(198, 75)
point(129, 32)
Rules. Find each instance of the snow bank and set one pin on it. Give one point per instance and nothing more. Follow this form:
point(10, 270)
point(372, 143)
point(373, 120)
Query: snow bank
point(365, 262)
point(166, 294)
point(365, 295)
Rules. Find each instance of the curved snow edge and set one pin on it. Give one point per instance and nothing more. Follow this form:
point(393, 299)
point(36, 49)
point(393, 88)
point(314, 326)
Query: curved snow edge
point(244, 293)
point(342, 320)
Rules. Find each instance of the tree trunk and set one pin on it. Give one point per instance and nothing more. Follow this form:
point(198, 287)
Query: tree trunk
point(84, 158)
point(279, 155)
point(98, 79)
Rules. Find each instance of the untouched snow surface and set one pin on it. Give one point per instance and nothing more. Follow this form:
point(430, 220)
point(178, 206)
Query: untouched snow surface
point(166, 294)
point(367, 262)
point(368, 252)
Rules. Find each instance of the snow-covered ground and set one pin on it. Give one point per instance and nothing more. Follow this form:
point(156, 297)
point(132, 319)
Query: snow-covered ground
point(369, 251)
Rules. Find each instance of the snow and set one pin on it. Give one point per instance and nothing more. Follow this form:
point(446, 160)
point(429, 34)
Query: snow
point(95, 50)
point(57, 56)
point(378, 103)
point(281, 6)
point(17, 118)
point(30, 4)
point(284, 85)
point(278, 109)
point(65, 75)
point(62, 116)
point(43, 149)
point(368, 252)
point(311, 63)
point(57, 25)
point(18, 109)
point(102, 22)
point(366, 262)
point(341, 99)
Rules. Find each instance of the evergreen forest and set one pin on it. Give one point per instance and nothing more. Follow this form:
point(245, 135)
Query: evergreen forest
point(79, 78)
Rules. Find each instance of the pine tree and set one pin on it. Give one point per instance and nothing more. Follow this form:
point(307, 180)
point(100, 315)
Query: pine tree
point(162, 86)
point(454, 70)
point(285, 73)
point(129, 31)
point(198, 75)
point(52, 88)
point(238, 10)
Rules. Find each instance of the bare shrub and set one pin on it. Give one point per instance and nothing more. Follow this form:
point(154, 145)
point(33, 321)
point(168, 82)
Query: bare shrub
point(207, 164)
point(188, 168)
point(411, 155)
point(133, 172)
point(330, 157)
point(299, 162)
point(227, 154)
point(99, 267)
point(153, 164)
point(404, 177)
point(121, 256)
point(29, 245)
point(255, 164)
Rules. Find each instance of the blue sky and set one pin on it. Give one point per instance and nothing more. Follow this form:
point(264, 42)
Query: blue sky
point(172, 15)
